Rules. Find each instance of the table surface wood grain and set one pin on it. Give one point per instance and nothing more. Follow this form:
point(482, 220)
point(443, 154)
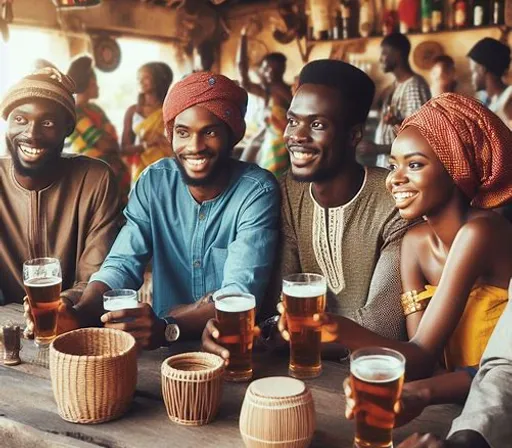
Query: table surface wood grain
point(28, 412)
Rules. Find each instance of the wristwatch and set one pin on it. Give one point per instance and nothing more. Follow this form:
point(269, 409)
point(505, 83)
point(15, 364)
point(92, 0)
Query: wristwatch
point(172, 331)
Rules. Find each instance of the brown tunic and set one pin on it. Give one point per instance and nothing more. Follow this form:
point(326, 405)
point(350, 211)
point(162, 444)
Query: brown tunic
point(356, 246)
point(75, 219)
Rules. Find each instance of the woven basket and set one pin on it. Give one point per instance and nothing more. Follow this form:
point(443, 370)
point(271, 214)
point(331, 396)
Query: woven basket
point(192, 387)
point(277, 412)
point(94, 374)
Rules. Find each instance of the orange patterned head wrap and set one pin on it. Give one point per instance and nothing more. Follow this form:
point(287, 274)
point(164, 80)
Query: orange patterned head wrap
point(219, 95)
point(472, 143)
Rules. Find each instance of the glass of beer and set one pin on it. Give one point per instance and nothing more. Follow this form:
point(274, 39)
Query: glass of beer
point(42, 278)
point(304, 295)
point(235, 313)
point(376, 379)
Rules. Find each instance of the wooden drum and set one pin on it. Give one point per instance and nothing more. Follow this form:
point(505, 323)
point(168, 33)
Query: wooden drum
point(277, 412)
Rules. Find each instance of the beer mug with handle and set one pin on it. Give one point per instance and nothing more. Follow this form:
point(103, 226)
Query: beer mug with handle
point(42, 278)
point(304, 295)
point(376, 379)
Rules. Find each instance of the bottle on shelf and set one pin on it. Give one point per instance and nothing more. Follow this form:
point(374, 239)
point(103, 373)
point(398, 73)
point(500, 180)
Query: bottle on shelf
point(321, 19)
point(426, 16)
point(366, 18)
point(497, 13)
point(346, 14)
point(460, 14)
point(437, 15)
point(480, 12)
point(409, 15)
point(337, 30)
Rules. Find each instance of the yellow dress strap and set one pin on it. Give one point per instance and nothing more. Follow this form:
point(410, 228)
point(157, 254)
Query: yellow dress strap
point(414, 301)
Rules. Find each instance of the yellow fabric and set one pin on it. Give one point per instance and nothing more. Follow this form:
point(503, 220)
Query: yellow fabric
point(483, 309)
point(150, 130)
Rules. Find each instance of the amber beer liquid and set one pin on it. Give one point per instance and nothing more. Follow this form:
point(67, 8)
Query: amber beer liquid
point(44, 297)
point(302, 301)
point(236, 315)
point(376, 382)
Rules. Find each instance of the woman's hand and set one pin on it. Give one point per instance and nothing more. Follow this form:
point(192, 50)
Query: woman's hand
point(327, 322)
point(412, 402)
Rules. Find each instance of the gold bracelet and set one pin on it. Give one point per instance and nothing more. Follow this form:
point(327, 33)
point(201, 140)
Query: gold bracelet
point(412, 302)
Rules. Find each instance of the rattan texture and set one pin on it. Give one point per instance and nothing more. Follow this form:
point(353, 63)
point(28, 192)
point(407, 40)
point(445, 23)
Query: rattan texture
point(94, 374)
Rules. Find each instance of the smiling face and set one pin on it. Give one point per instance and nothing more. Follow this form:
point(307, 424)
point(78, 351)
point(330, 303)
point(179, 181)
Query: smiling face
point(202, 144)
point(271, 71)
point(317, 137)
point(35, 135)
point(418, 181)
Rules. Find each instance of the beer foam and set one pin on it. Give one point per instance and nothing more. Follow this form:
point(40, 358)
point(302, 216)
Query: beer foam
point(304, 291)
point(42, 282)
point(120, 303)
point(235, 304)
point(377, 368)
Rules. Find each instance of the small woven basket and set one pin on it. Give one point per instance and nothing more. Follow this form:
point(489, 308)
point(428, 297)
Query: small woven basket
point(94, 374)
point(192, 387)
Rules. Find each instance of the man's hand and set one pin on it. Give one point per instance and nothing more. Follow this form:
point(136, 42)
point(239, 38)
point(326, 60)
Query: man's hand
point(67, 318)
point(326, 321)
point(142, 323)
point(423, 441)
point(209, 340)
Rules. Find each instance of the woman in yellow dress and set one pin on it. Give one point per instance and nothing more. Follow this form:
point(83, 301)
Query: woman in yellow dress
point(143, 138)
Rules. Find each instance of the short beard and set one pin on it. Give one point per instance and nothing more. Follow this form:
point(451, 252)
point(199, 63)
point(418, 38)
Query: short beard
point(31, 171)
point(218, 168)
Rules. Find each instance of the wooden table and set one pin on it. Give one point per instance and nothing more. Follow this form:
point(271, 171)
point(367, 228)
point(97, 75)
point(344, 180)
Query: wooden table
point(28, 413)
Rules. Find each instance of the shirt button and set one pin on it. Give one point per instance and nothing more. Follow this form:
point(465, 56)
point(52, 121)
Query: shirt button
point(201, 216)
point(197, 264)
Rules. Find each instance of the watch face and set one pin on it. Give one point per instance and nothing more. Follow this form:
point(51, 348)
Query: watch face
point(172, 332)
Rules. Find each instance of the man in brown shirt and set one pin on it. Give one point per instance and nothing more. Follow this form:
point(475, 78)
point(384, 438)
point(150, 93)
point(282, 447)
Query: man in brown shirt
point(50, 205)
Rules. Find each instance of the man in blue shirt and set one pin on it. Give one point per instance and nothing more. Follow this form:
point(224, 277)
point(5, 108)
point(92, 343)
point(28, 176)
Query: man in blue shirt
point(207, 221)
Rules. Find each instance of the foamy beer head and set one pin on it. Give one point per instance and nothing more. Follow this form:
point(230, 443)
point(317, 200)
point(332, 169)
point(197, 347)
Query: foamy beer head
point(377, 376)
point(304, 295)
point(235, 314)
point(42, 279)
point(120, 299)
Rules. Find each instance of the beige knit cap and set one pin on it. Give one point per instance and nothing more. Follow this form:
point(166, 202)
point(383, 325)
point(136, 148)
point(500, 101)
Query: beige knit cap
point(48, 83)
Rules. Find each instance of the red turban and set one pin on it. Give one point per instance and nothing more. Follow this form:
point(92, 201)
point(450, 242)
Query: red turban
point(216, 93)
point(472, 143)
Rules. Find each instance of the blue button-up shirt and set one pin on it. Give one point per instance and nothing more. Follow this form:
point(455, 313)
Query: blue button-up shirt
point(225, 243)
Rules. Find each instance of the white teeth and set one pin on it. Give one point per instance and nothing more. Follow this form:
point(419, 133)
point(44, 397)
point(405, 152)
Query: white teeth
point(196, 162)
point(31, 151)
point(302, 155)
point(403, 195)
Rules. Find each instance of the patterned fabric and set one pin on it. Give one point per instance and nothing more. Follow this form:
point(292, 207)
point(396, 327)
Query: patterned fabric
point(405, 98)
point(274, 155)
point(467, 343)
point(92, 124)
point(472, 143)
point(150, 130)
point(367, 252)
point(216, 93)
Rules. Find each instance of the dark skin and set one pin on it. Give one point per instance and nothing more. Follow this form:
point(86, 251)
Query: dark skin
point(456, 248)
point(202, 144)
point(272, 84)
point(321, 143)
point(483, 79)
point(150, 104)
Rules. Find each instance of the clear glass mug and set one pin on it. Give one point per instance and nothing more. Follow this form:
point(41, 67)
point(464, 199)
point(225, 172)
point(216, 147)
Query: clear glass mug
point(42, 278)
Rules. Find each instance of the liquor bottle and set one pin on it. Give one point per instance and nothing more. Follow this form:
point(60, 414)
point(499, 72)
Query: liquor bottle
point(346, 14)
point(437, 15)
point(460, 14)
point(409, 15)
point(497, 13)
point(480, 13)
point(321, 19)
point(366, 18)
point(426, 16)
point(337, 30)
